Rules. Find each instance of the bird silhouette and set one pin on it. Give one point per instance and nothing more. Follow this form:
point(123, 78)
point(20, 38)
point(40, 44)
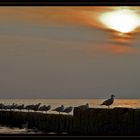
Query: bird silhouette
point(44, 108)
point(83, 107)
point(20, 107)
point(109, 102)
point(68, 109)
point(59, 109)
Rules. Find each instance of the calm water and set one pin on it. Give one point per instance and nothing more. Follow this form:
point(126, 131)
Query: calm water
point(133, 103)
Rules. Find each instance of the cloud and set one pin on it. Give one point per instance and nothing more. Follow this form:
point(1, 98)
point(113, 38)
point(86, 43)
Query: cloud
point(58, 21)
point(56, 15)
point(59, 16)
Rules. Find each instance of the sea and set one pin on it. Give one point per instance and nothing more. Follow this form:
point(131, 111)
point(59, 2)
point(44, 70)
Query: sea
point(93, 103)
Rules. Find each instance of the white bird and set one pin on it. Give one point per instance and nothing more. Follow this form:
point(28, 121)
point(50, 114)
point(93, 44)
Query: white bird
point(83, 107)
point(109, 102)
point(59, 109)
point(68, 109)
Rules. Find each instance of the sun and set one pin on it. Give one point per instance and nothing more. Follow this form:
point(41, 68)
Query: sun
point(123, 21)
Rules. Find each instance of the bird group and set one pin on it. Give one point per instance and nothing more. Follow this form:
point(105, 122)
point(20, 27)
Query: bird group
point(35, 107)
point(69, 109)
point(39, 107)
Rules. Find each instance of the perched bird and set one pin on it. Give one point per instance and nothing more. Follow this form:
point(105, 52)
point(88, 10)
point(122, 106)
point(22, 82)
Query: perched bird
point(59, 109)
point(83, 107)
point(36, 107)
point(44, 108)
point(33, 107)
point(68, 109)
point(109, 102)
point(20, 107)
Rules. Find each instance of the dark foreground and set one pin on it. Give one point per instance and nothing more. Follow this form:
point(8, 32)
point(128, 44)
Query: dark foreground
point(89, 122)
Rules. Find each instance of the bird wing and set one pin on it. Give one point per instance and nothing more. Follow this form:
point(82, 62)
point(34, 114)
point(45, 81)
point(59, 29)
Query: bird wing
point(107, 102)
point(65, 109)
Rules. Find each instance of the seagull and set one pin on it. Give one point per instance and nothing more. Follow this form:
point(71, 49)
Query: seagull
point(83, 107)
point(68, 109)
point(48, 108)
point(108, 102)
point(44, 108)
point(59, 109)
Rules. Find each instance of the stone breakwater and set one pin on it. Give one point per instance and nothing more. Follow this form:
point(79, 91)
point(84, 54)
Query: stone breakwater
point(91, 121)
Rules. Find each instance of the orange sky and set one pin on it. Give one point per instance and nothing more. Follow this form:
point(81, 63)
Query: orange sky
point(52, 15)
point(62, 16)
point(66, 52)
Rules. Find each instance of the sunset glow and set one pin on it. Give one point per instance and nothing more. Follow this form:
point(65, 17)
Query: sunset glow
point(73, 52)
point(123, 21)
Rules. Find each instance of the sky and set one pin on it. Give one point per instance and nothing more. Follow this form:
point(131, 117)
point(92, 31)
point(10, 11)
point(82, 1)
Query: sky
point(66, 52)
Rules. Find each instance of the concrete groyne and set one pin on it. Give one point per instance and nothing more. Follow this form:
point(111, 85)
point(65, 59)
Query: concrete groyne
point(92, 121)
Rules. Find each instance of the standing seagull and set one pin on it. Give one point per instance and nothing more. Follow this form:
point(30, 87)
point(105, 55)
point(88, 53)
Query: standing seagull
point(68, 109)
point(59, 109)
point(108, 102)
